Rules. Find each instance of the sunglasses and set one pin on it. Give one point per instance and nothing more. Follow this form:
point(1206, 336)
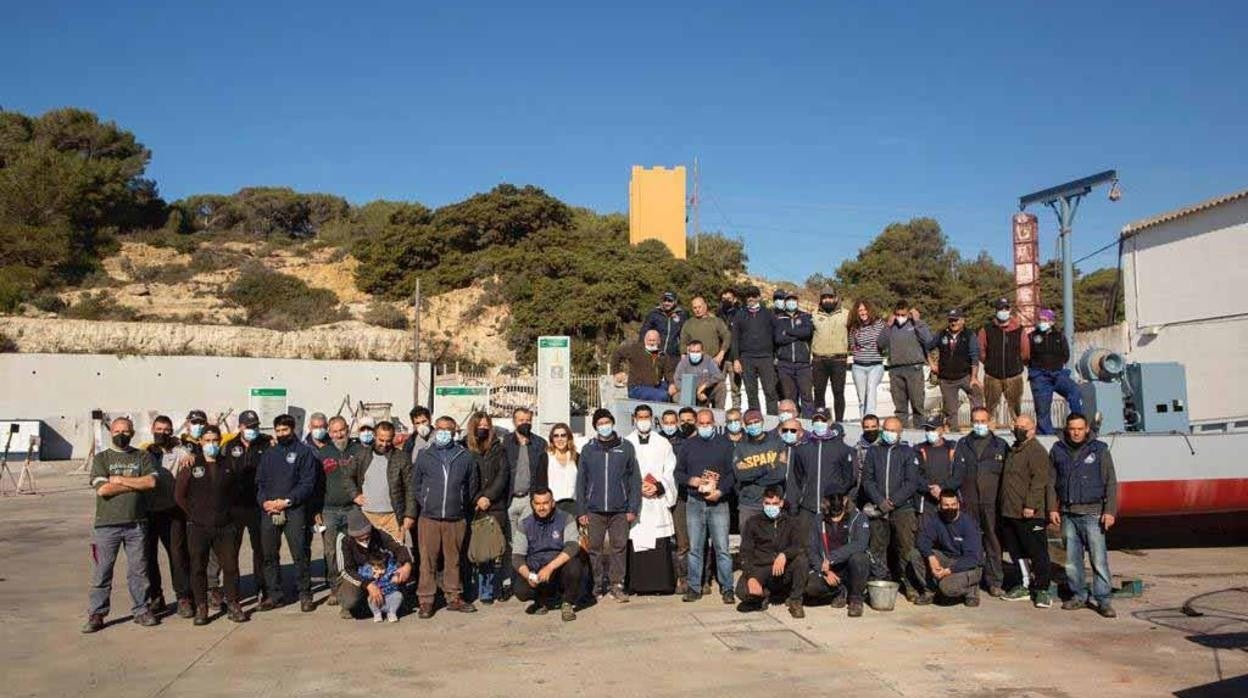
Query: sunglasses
point(788, 431)
point(558, 436)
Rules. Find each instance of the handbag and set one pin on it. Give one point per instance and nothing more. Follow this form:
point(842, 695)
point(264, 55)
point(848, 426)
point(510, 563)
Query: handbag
point(486, 541)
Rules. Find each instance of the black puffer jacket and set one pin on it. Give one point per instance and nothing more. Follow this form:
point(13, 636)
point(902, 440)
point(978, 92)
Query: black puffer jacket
point(492, 474)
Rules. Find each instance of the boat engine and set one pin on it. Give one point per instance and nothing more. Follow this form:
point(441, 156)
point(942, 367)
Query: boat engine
point(1139, 397)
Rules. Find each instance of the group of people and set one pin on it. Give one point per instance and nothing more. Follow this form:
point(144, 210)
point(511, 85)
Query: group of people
point(786, 352)
point(478, 514)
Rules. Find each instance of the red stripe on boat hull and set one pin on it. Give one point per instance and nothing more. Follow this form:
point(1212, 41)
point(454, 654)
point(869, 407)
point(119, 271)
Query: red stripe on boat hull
point(1178, 497)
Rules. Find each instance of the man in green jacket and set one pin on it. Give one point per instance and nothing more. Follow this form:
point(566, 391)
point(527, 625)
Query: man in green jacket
point(704, 327)
point(1025, 492)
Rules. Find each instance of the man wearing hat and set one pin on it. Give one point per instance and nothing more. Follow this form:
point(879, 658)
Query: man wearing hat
point(794, 329)
point(1005, 353)
point(830, 351)
point(608, 500)
point(362, 545)
point(666, 318)
point(1047, 372)
point(957, 366)
point(196, 420)
point(937, 466)
point(242, 454)
point(754, 342)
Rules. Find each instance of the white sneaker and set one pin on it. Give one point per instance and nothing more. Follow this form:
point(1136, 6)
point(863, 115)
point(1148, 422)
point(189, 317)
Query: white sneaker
point(394, 618)
point(377, 617)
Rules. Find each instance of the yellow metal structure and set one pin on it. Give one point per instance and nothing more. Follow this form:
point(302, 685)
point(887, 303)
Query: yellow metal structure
point(656, 207)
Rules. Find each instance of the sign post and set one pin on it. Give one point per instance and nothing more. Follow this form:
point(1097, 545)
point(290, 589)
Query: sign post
point(1026, 267)
point(267, 403)
point(554, 382)
point(459, 401)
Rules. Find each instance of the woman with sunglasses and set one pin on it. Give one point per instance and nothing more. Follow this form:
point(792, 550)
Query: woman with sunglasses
point(561, 469)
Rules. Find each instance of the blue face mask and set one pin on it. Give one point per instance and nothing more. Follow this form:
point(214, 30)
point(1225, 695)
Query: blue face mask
point(790, 305)
point(695, 357)
point(754, 429)
point(890, 437)
point(367, 436)
point(1044, 326)
point(668, 429)
point(605, 430)
point(212, 450)
point(785, 416)
point(980, 429)
point(772, 511)
point(1003, 315)
point(788, 437)
point(932, 436)
point(442, 437)
point(251, 434)
point(734, 426)
point(197, 430)
point(706, 432)
point(820, 428)
point(320, 433)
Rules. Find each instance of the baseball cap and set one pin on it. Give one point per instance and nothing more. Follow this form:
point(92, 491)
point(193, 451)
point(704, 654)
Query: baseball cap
point(1046, 314)
point(935, 421)
point(196, 416)
point(752, 416)
point(669, 296)
point(956, 314)
point(827, 292)
point(248, 418)
point(779, 294)
point(1001, 304)
point(821, 413)
point(790, 294)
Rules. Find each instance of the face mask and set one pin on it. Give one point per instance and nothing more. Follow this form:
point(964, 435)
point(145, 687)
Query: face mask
point(706, 432)
point(442, 437)
point(753, 306)
point(1044, 326)
point(979, 429)
point(870, 435)
point(422, 430)
point(644, 426)
point(669, 429)
point(754, 429)
point(948, 515)
point(160, 440)
point(483, 434)
point(734, 426)
point(122, 440)
point(524, 430)
point(790, 305)
point(605, 430)
point(932, 436)
point(899, 320)
point(197, 430)
point(251, 434)
point(772, 511)
point(1003, 315)
point(320, 433)
point(695, 357)
point(1020, 434)
point(652, 348)
point(828, 306)
point(788, 437)
point(890, 437)
point(367, 436)
point(786, 416)
point(687, 429)
point(212, 450)
point(820, 428)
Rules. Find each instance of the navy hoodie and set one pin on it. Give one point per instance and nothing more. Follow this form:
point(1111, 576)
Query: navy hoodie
point(823, 467)
point(287, 471)
point(959, 540)
point(608, 479)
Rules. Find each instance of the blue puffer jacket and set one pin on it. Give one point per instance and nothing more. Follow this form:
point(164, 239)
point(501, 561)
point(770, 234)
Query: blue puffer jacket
point(443, 478)
point(892, 472)
point(608, 480)
point(792, 336)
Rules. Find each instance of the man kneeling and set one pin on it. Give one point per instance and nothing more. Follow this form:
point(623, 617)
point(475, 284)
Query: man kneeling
point(954, 552)
point(545, 553)
point(374, 567)
point(839, 564)
point(772, 557)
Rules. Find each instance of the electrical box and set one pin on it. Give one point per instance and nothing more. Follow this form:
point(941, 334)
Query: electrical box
point(1104, 401)
point(1159, 396)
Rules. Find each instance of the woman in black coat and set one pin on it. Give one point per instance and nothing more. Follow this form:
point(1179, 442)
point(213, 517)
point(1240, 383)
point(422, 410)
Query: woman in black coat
point(492, 497)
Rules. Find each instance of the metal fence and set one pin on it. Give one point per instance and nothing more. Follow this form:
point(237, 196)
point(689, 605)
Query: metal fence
point(507, 392)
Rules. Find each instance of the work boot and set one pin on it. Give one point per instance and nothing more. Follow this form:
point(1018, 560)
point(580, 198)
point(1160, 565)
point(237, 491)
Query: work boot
point(306, 604)
point(567, 612)
point(923, 599)
point(201, 615)
point(146, 620)
point(839, 600)
point(682, 585)
point(618, 593)
point(1043, 600)
point(1073, 604)
point(1018, 593)
point(331, 600)
point(235, 613)
point(971, 601)
point(269, 604)
point(691, 596)
point(795, 609)
point(996, 592)
point(729, 598)
point(94, 624)
point(458, 605)
point(425, 612)
point(911, 595)
point(1106, 610)
point(215, 599)
point(186, 609)
point(855, 608)
point(156, 606)
point(345, 613)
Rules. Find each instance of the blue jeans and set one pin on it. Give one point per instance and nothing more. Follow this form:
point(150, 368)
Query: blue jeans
point(649, 393)
point(489, 582)
point(702, 517)
point(1083, 532)
point(1043, 384)
point(867, 382)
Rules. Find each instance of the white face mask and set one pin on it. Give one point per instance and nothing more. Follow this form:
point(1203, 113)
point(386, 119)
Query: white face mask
point(652, 347)
point(1003, 315)
point(644, 426)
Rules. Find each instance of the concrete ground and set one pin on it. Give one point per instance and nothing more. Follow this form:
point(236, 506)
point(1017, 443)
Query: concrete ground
point(652, 646)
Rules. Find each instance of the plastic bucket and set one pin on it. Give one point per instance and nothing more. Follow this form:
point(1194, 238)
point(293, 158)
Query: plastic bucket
point(882, 595)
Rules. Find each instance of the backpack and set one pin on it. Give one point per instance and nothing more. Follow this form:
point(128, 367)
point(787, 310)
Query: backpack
point(486, 541)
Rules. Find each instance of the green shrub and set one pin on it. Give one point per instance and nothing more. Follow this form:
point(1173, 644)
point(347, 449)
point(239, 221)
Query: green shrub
point(7, 345)
point(100, 306)
point(48, 302)
point(384, 314)
point(282, 302)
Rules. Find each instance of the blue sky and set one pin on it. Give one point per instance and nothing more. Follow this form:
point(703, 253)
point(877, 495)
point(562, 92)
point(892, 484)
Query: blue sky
point(816, 124)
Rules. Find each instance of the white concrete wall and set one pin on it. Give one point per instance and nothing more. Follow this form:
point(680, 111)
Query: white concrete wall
point(63, 389)
point(1187, 277)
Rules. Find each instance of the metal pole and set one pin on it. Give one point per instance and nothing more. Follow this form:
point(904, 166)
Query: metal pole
point(697, 205)
point(1064, 214)
point(416, 344)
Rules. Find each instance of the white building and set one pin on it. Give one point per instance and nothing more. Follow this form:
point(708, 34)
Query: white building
point(1185, 277)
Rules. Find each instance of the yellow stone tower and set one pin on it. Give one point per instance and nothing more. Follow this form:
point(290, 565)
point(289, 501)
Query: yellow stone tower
point(656, 207)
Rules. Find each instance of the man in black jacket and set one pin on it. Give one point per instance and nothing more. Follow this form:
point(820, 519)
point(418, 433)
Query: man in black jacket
point(527, 467)
point(285, 485)
point(892, 481)
point(981, 457)
point(773, 557)
point(666, 318)
point(244, 453)
point(729, 306)
point(957, 366)
point(839, 562)
point(793, 331)
point(1047, 372)
point(753, 338)
point(363, 543)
